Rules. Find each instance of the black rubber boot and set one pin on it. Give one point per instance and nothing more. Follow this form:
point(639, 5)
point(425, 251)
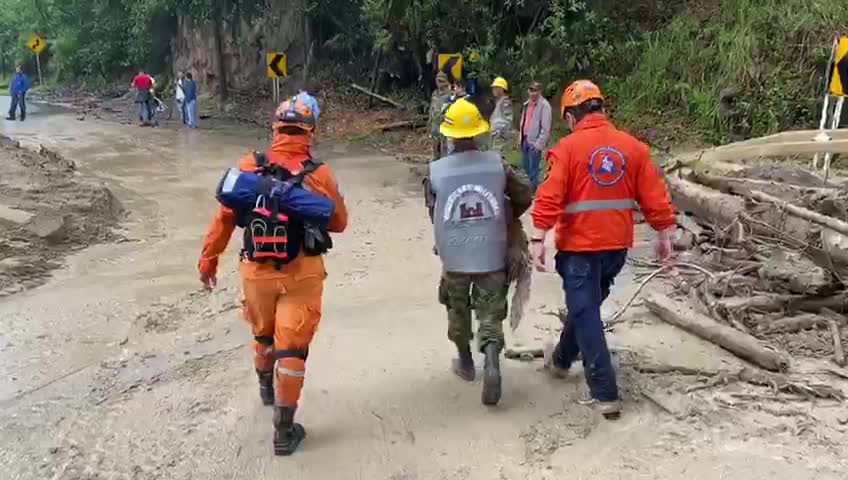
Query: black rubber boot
point(463, 366)
point(266, 387)
point(10, 118)
point(491, 374)
point(287, 433)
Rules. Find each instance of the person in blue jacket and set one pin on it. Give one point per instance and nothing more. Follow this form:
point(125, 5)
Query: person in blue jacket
point(18, 89)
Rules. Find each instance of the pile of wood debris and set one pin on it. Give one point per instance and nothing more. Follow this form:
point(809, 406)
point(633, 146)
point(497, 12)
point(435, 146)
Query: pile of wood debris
point(764, 259)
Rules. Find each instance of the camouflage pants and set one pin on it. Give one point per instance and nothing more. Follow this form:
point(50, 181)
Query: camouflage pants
point(485, 293)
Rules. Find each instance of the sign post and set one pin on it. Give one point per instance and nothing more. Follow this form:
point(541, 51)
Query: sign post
point(837, 86)
point(275, 68)
point(37, 45)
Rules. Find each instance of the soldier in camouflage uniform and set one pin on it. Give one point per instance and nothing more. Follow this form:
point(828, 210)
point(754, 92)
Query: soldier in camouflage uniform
point(501, 120)
point(472, 197)
point(440, 97)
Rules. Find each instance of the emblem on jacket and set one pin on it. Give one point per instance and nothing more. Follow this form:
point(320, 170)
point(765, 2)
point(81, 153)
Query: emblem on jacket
point(471, 203)
point(607, 166)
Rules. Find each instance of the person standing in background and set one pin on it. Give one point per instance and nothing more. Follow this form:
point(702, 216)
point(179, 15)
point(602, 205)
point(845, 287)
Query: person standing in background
point(179, 96)
point(437, 103)
point(190, 89)
point(18, 90)
point(143, 83)
point(535, 132)
point(501, 119)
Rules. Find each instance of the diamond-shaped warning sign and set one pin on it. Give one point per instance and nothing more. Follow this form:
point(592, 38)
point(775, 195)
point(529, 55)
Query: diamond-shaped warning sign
point(839, 77)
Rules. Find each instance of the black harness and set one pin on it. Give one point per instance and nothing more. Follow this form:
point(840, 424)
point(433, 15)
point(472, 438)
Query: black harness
point(269, 233)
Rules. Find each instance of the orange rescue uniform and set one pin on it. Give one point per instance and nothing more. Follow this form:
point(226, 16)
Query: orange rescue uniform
point(596, 177)
point(283, 304)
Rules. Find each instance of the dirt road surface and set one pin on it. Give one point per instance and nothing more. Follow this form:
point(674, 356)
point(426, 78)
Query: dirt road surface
point(119, 367)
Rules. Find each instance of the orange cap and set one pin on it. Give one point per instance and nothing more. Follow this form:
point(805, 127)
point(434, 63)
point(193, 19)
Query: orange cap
point(579, 92)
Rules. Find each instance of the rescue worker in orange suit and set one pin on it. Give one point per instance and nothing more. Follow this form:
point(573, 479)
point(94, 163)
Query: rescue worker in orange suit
point(598, 175)
point(282, 305)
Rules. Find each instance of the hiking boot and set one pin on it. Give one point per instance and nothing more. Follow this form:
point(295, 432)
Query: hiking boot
point(266, 387)
point(10, 118)
point(287, 433)
point(611, 410)
point(463, 366)
point(491, 374)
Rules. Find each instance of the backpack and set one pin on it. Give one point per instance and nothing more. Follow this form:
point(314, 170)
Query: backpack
point(280, 216)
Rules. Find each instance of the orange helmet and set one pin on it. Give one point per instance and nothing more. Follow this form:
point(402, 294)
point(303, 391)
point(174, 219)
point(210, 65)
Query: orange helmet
point(579, 92)
point(294, 113)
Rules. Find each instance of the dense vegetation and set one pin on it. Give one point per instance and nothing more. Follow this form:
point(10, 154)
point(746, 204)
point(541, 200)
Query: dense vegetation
point(662, 62)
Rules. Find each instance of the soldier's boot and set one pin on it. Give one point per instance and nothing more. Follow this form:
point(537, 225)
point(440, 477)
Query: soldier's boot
point(463, 366)
point(266, 386)
point(287, 433)
point(491, 374)
point(10, 117)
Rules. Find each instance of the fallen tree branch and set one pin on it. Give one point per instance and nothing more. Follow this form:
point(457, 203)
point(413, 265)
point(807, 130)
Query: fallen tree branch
point(800, 212)
point(838, 353)
point(405, 124)
point(376, 95)
point(741, 344)
point(669, 266)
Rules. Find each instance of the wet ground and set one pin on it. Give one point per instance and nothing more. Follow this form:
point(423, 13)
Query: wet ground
point(121, 367)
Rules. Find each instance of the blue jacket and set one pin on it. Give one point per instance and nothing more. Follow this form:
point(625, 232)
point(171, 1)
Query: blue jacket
point(311, 102)
point(190, 90)
point(20, 84)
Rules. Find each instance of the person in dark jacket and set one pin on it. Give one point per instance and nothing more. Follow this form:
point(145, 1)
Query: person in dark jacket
point(190, 89)
point(18, 90)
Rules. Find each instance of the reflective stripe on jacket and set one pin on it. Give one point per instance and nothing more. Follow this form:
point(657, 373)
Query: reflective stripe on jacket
point(597, 176)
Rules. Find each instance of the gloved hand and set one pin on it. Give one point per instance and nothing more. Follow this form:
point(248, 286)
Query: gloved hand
point(662, 247)
point(537, 242)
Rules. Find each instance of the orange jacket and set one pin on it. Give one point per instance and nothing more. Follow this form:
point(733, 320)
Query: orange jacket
point(290, 152)
point(596, 176)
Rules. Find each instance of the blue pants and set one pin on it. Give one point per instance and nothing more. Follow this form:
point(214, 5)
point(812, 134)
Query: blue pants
point(587, 278)
point(532, 161)
point(191, 113)
point(144, 113)
point(18, 100)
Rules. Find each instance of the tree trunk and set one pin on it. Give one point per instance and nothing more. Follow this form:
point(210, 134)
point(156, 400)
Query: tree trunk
point(218, 27)
point(741, 344)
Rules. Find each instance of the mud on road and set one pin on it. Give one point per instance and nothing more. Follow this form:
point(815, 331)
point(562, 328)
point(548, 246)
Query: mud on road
point(119, 367)
point(47, 211)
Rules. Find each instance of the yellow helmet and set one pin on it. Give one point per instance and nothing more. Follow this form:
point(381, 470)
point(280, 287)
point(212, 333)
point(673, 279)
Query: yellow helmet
point(463, 120)
point(501, 82)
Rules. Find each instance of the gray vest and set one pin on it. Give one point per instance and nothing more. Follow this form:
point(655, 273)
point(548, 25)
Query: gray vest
point(470, 215)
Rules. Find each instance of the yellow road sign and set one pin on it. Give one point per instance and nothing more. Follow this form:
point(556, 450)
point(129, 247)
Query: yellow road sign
point(839, 78)
point(451, 64)
point(36, 44)
point(275, 64)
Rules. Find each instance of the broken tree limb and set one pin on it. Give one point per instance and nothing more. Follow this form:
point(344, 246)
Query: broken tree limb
point(376, 95)
point(405, 124)
point(741, 344)
point(776, 302)
point(838, 353)
point(793, 324)
point(800, 212)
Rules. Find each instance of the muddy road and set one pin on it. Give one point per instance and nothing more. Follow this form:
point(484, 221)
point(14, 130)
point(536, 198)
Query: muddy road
point(120, 367)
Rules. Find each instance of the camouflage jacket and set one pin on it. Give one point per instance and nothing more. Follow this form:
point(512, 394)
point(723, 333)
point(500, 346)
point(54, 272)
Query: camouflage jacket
point(437, 103)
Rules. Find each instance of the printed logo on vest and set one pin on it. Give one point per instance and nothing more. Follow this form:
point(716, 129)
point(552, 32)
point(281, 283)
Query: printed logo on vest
point(471, 203)
point(607, 166)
